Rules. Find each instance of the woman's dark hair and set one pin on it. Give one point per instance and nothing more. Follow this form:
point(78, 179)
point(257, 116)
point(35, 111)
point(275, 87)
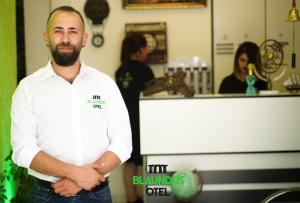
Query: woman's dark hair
point(252, 51)
point(130, 45)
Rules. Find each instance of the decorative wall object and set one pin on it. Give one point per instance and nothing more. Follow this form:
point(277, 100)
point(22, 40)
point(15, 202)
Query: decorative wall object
point(293, 17)
point(161, 4)
point(156, 36)
point(173, 83)
point(198, 73)
point(97, 11)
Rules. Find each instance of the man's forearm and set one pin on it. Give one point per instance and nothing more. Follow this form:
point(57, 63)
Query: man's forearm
point(48, 165)
point(107, 162)
point(86, 176)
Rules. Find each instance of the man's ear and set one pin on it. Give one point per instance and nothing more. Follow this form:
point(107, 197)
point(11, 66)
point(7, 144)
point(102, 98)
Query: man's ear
point(84, 39)
point(46, 38)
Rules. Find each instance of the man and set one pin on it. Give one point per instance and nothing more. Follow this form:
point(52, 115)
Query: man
point(70, 126)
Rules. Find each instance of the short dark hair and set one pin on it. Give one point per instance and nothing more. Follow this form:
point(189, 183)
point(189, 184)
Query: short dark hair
point(66, 9)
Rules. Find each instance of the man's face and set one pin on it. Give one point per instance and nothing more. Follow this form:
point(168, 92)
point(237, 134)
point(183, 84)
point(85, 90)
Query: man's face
point(65, 36)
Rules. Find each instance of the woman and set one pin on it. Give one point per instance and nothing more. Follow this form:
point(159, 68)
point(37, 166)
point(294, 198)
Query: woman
point(131, 78)
point(248, 52)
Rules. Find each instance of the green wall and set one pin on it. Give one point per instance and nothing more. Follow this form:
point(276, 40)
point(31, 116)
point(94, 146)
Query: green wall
point(8, 75)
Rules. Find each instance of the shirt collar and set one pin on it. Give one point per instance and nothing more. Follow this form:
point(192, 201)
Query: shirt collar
point(49, 72)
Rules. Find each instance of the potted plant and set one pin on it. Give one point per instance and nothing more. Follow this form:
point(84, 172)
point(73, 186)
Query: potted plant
point(21, 178)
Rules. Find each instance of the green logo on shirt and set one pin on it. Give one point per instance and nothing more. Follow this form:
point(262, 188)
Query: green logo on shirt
point(126, 79)
point(96, 101)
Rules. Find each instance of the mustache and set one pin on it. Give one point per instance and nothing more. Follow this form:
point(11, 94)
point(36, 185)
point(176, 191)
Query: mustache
point(65, 45)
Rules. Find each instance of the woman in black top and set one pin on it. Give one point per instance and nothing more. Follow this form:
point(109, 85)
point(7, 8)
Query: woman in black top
point(248, 52)
point(131, 78)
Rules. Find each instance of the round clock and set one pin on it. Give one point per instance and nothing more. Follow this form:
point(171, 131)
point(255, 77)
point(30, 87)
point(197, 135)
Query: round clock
point(97, 40)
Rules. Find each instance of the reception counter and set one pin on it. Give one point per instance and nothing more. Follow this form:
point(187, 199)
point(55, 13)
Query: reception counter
point(244, 148)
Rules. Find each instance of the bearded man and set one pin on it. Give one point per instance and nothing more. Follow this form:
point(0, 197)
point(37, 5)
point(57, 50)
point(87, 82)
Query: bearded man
point(70, 126)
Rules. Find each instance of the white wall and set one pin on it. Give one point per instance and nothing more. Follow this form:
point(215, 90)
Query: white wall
point(35, 17)
point(188, 33)
point(258, 20)
point(230, 29)
point(192, 38)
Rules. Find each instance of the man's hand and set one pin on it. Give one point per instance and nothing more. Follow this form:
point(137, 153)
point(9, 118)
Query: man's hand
point(86, 176)
point(66, 187)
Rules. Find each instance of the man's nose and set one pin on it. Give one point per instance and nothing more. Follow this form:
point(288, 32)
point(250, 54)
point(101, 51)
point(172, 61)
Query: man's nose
point(65, 37)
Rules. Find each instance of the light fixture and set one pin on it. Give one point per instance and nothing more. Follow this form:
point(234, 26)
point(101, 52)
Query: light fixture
point(293, 14)
point(293, 17)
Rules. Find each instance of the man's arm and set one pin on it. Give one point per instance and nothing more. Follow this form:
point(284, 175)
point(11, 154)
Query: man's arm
point(107, 162)
point(118, 130)
point(85, 176)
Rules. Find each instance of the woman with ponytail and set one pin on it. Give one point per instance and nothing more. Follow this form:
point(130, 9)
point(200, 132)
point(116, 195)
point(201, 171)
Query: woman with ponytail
point(131, 77)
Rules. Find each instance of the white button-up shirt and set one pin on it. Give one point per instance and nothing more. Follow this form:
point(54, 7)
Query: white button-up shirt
point(75, 123)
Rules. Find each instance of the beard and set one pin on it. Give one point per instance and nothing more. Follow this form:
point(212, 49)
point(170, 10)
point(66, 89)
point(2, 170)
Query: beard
point(65, 59)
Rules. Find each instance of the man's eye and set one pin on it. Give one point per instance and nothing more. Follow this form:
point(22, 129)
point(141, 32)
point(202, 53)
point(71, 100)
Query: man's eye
point(73, 31)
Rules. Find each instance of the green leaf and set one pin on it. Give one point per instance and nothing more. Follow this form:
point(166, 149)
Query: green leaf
point(2, 177)
point(8, 156)
point(2, 195)
point(13, 200)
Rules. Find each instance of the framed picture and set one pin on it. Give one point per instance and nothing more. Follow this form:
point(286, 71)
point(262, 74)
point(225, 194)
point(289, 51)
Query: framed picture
point(161, 4)
point(156, 36)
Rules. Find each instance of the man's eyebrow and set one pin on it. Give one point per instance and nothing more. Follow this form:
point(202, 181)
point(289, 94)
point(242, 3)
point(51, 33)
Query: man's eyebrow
point(60, 28)
point(73, 28)
point(57, 28)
